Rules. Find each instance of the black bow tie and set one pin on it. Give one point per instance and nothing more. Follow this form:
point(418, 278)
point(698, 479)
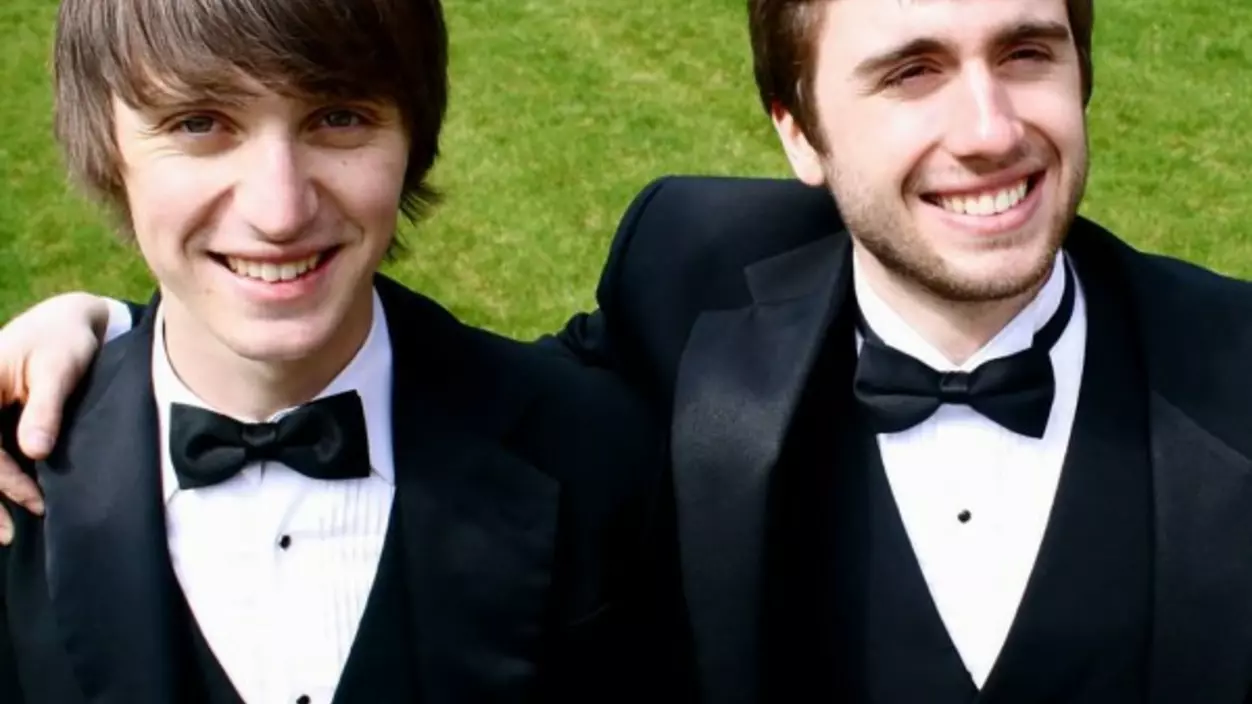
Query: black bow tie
point(325, 439)
point(897, 391)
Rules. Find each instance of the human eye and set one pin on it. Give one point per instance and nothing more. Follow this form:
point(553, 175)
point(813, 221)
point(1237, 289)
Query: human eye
point(196, 132)
point(342, 118)
point(910, 77)
point(1029, 53)
point(195, 125)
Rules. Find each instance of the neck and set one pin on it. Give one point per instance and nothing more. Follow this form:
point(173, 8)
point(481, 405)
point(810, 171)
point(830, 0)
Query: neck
point(254, 390)
point(957, 329)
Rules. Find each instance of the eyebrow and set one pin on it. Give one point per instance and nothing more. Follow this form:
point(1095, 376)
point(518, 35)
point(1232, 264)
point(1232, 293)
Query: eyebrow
point(165, 100)
point(172, 89)
point(1051, 32)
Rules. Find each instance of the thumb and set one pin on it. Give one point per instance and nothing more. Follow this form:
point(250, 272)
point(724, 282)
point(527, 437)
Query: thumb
point(50, 381)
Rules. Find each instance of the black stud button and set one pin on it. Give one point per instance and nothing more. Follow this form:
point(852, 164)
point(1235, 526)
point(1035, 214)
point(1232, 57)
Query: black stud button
point(964, 516)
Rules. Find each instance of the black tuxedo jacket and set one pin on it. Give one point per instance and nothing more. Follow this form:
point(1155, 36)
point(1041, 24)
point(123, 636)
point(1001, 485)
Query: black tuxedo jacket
point(714, 302)
point(522, 479)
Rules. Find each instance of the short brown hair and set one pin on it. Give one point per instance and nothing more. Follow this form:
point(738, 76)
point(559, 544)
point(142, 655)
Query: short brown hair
point(139, 50)
point(784, 53)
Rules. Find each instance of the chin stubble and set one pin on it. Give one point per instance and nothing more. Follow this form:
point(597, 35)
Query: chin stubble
point(889, 235)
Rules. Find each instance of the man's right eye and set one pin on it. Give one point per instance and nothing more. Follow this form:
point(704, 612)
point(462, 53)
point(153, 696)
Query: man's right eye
point(908, 74)
point(195, 124)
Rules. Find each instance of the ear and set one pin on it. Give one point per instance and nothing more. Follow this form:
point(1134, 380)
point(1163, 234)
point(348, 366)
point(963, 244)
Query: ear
point(805, 160)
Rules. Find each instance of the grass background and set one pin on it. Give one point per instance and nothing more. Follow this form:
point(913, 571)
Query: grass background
point(563, 109)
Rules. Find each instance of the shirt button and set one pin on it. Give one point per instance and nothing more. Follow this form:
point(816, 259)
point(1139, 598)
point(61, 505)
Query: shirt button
point(284, 543)
point(304, 699)
point(964, 516)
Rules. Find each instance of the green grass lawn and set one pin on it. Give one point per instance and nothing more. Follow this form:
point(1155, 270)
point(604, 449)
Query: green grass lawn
point(563, 109)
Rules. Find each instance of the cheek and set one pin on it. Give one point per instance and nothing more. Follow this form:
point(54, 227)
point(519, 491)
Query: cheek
point(885, 161)
point(1058, 114)
point(1073, 126)
point(368, 187)
point(880, 143)
point(167, 199)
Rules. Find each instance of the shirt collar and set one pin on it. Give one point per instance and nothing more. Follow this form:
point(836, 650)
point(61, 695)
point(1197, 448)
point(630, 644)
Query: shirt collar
point(1014, 337)
point(369, 374)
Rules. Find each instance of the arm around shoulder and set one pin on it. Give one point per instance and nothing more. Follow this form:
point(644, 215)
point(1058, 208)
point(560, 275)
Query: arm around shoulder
point(587, 336)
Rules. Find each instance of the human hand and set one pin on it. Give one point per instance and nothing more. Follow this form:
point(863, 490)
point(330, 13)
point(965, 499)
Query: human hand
point(44, 352)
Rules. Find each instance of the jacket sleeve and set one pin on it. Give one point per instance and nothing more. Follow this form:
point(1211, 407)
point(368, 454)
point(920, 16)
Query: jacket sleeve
point(585, 339)
point(588, 336)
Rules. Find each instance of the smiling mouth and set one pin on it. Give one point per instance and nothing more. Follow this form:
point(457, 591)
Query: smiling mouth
point(986, 203)
point(274, 272)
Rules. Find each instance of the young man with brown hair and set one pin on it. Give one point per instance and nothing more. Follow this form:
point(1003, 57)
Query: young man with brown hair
point(953, 443)
point(295, 481)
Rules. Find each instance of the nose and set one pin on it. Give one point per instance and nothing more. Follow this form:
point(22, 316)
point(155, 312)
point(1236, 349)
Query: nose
point(985, 124)
point(275, 194)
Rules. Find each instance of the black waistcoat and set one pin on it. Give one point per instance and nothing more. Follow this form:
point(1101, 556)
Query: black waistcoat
point(849, 617)
point(380, 666)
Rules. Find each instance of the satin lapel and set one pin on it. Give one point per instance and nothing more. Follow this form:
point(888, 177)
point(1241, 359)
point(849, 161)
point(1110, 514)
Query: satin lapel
point(108, 568)
point(479, 524)
point(1202, 642)
point(739, 380)
point(1202, 483)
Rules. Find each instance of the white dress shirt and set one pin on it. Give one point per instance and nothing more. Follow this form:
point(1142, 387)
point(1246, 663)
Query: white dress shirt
point(119, 320)
point(277, 567)
point(975, 497)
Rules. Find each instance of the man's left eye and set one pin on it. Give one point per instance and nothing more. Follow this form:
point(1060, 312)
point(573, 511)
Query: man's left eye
point(1028, 54)
point(341, 118)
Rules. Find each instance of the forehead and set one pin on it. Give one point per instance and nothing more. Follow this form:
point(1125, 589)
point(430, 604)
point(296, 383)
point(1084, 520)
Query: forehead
point(855, 29)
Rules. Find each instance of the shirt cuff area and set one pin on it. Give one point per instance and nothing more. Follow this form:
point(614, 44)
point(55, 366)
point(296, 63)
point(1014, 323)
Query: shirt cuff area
point(119, 320)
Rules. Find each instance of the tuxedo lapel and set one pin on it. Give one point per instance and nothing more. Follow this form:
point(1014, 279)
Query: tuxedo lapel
point(739, 380)
point(479, 524)
point(1202, 643)
point(1201, 471)
point(108, 569)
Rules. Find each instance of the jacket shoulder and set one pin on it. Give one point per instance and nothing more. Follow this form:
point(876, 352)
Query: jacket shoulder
point(1193, 285)
point(693, 236)
point(1195, 333)
point(570, 421)
point(681, 248)
point(1173, 294)
point(1198, 337)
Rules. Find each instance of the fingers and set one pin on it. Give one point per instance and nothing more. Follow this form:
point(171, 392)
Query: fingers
point(19, 487)
point(40, 421)
point(21, 490)
point(50, 378)
point(43, 354)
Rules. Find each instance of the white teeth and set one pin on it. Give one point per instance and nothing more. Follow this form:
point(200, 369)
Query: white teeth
point(270, 272)
point(990, 203)
point(986, 205)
